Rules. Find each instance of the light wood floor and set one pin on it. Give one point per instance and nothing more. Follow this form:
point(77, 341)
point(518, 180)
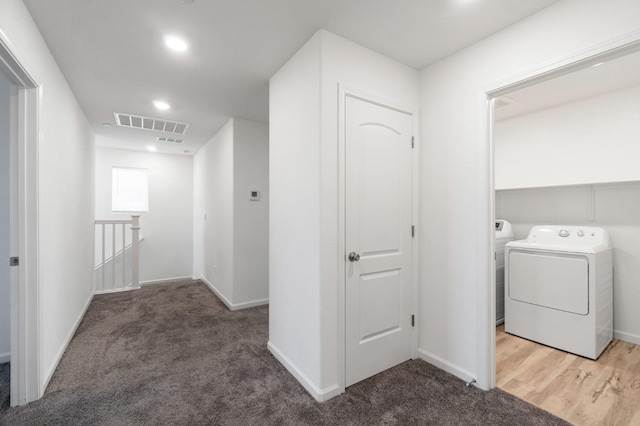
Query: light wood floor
point(578, 390)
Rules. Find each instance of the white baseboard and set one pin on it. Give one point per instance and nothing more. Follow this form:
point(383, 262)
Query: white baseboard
point(63, 348)
point(320, 395)
point(165, 280)
point(5, 357)
point(447, 366)
point(234, 306)
point(627, 337)
point(117, 290)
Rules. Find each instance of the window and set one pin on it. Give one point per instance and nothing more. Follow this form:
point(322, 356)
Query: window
point(130, 190)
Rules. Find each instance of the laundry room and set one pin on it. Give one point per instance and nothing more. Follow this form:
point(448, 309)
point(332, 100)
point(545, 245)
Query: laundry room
point(567, 172)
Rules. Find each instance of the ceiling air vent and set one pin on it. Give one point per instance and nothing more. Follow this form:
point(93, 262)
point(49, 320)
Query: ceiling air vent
point(147, 123)
point(172, 140)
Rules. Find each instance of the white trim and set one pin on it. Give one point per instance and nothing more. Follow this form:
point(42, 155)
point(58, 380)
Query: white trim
point(627, 337)
point(234, 306)
point(25, 320)
point(601, 52)
point(447, 366)
point(320, 395)
point(117, 290)
point(145, 284)
point(486, 273)
point(63, 348)
point(341, 346)
point(5, 357)
point(165, 280)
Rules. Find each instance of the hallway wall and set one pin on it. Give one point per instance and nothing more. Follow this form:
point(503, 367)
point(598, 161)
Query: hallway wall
point(231, 233)
point(453, 252)
point(5, 289)
point(65, 192)
point(304, 262)
point(166, 251)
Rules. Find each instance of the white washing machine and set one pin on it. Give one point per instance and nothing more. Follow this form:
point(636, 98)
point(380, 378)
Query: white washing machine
point(559, 288)
point(504, 234)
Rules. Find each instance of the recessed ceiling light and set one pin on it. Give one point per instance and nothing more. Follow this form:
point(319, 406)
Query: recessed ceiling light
point(151, 148)
point(106, 124)
point(597, 65)
point(175, 43)
point(162, 105)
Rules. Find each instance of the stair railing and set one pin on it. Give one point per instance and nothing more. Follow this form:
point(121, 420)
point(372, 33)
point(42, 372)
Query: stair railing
point(106, 268)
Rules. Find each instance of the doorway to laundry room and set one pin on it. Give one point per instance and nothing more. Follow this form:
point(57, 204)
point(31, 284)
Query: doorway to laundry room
point(6, 89)
point(567, 210)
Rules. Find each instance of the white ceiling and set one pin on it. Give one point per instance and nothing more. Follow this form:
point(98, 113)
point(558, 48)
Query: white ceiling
point(113, 57)
point(612, 75)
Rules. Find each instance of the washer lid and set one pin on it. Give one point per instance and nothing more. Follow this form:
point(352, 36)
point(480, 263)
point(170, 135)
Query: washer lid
point(575, 239)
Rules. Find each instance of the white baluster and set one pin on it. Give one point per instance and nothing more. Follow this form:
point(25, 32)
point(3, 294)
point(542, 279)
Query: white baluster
point(102, 265)
point(135, 231)
point(124, 255)
point(113, 255)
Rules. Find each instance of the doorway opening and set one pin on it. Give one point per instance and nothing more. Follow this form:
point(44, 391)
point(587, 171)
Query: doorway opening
point(6, 95)
point(19, 221)
point(561, 148)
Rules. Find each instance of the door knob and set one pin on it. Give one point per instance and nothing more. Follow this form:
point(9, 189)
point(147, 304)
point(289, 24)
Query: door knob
point(354, 257)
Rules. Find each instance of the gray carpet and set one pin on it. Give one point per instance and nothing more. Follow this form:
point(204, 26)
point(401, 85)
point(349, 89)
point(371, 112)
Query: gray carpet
point(174, 354)
point(5, 400)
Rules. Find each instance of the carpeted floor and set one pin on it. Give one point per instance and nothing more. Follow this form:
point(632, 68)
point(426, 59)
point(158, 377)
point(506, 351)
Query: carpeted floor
point(174, 354)
point(4, 386)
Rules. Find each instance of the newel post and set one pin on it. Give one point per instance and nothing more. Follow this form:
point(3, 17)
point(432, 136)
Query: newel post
point(135, 236)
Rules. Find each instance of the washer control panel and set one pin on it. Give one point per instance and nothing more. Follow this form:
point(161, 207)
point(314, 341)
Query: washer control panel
point(563, 234)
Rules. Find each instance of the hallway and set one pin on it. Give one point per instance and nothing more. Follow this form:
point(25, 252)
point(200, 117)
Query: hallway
point(174, 354)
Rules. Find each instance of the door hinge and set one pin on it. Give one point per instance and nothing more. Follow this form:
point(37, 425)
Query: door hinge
point(413, 231)
point(413, 142)
point(14, 261)
point(413, 320)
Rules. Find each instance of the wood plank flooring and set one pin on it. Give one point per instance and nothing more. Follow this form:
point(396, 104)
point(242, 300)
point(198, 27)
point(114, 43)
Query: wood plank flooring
point(576, 389)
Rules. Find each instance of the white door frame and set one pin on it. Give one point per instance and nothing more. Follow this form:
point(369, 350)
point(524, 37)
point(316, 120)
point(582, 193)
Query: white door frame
point(25, 374)
point(486, 195)
point(342, 202)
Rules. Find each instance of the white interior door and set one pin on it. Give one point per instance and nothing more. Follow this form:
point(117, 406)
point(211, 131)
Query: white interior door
point(378, 238)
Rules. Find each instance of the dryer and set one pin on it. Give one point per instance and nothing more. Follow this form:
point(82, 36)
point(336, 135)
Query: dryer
point(559, 288)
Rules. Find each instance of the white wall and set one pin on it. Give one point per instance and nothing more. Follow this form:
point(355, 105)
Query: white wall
point(616, 208)
point(592, 140)
point(304, 212)
point(5, 289)
point(294, 212)
point(166, 251)
point(251, 218)
point(65, 181)
point(213, 164)
point(450, 272)
point(231, 234)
